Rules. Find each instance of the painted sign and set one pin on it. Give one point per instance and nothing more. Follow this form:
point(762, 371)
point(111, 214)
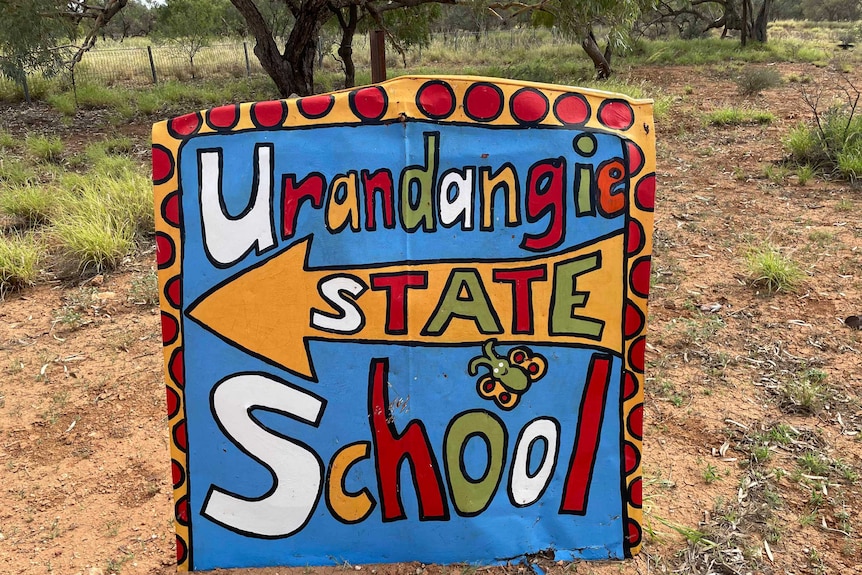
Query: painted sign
point(406, 322)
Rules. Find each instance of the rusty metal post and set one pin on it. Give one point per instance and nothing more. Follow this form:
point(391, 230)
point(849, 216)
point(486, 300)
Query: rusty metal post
point(378, 56)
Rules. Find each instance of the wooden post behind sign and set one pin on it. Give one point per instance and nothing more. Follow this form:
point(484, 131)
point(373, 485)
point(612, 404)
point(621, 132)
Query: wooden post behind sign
point(378, 56)
point(247, 64)
point(152, 64)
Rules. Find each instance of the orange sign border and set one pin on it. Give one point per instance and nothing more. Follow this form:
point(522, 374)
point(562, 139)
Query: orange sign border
point(445, 100)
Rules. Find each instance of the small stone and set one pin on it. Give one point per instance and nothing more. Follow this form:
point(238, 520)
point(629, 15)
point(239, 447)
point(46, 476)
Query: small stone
point(95, 571)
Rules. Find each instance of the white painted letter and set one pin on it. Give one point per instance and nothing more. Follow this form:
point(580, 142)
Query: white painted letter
point(227, 238)
point(461, 206)
point(297, 470)
point(349, 318)
point(525, 489)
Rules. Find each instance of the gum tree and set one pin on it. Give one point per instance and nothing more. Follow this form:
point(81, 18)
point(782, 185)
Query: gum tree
point(580, 18)
point(697, 17)
point(191, 24)
point(291, 63)
point(40, 35)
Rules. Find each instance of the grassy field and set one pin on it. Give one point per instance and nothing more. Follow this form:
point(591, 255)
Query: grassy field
point(753, 407)
point(527, 54)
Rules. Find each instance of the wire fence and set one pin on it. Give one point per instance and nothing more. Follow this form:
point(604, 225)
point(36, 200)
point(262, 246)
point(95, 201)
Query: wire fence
point(159, 63)
point(155, 63)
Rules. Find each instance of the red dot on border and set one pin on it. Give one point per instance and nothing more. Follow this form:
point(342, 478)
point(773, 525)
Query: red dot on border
point(636, 354)
point(268, 114)
point(315, 106)
point(182, 550)
point(171, 209)
point(180, 436)
point(635, 240)
point(163, 164)
point(185, 125)
point(634, 320)
point(370, 103)
point(640, 276)
point(223, 117)
point(645, 193)
point(170, 328)
point(572, 109)
point(636, 158)
point(634, 533)
point(173, 400)
point(529, 106)
point(172, 291)
point(630, 385)
point(636, 492)
point(616, 114)
point(176, 367)
point(164, 250)
point(636, 421)
point(182, 511)
point(435, 99)
point(631, 457)
point(177, 474)
point(483, 102)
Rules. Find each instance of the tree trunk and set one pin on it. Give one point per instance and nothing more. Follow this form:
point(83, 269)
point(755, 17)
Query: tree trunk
point(743, 32)
point(293, 70)
point(600, 61)
point(301, 45)
point(345, 48)
point(761, 22)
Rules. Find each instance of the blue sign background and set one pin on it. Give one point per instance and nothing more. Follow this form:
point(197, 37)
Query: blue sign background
point(432, 381)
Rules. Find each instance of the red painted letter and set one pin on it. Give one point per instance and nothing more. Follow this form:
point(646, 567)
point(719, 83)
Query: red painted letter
point(545, 184)
point(576, 491)
point(379, 181)
point(293, 194)
point(522, 296)
point(396, 285)
point(392, 448)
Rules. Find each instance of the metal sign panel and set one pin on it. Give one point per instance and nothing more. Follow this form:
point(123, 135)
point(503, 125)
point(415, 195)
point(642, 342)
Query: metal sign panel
point(406, 322)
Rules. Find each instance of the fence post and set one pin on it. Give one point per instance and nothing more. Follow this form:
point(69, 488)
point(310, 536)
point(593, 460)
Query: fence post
point(247, 65)
point(26, 88)
point(152, 64)
point(378, 56)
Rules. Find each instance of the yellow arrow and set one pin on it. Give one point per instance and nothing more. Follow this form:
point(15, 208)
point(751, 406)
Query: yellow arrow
point(274, 308)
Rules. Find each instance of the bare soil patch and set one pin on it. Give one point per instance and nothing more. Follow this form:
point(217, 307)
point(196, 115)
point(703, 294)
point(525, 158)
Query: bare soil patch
point(753, 412)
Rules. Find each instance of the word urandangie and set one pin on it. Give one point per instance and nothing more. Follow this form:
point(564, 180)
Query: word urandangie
point(424, 198)
point(300, 476)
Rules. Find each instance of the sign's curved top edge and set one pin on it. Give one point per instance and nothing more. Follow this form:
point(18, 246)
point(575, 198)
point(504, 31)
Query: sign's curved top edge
point(402, 105)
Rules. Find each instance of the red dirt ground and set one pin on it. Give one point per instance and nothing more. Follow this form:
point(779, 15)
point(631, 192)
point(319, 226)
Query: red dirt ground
point(84, 463)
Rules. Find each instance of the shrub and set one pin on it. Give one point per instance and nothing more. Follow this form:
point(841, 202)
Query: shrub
point(106, 150)
point(63, 103)
point(7, 141)
point(736, 117)
point(850, 163)
point(32, 203)
point(98, 225)
point(19, 261)
point(753, 80)
point(772, 270)
point(834, 143)
point(45, 148)
point(804, 146)
point(15, 173)
point(804, 173)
